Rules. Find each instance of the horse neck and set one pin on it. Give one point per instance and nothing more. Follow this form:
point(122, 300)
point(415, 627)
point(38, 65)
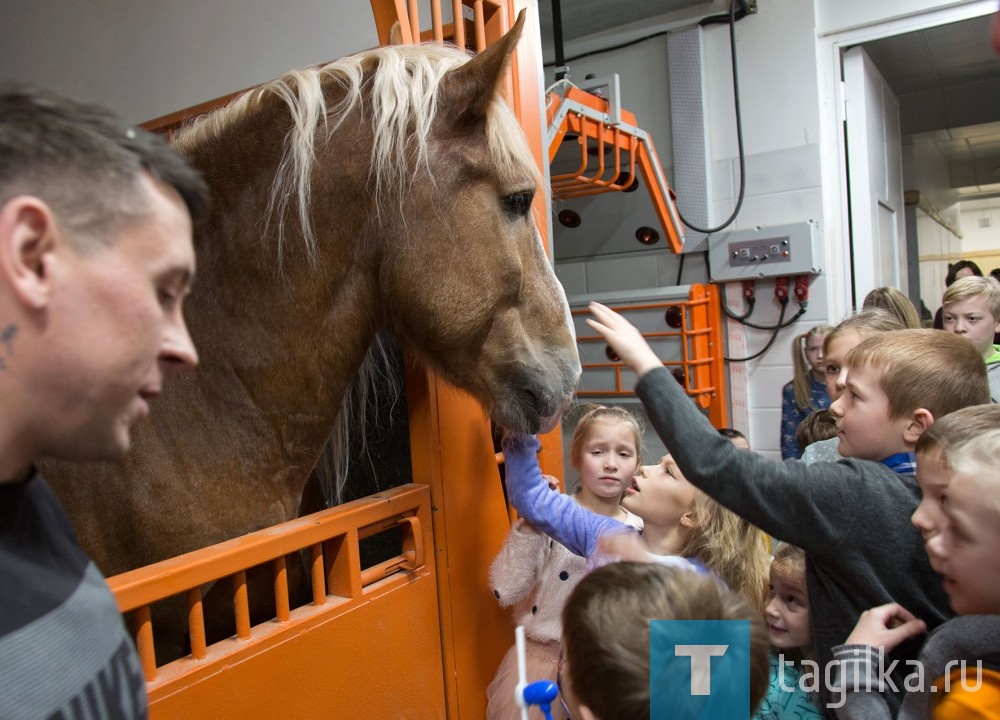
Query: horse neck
point(279, 336)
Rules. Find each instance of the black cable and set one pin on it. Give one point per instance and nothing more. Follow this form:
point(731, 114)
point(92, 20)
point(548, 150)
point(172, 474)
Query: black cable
point(710, 20)
point(739, 132)
point(781, 325)
point(751, 301)
point(774, 336)
point(557, 38)
point(680, 269)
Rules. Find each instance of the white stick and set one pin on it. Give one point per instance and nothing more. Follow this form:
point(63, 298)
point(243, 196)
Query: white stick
point(522, 681)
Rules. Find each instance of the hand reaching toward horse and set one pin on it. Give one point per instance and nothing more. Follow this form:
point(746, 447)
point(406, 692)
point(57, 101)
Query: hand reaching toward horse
point(624, 339)
point(886, 626)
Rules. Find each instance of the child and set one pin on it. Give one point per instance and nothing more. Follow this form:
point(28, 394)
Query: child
point(807, 391)
point(956, 271)
point(840, 341)
point(819, 425)
point(738, 439)
point(787, 618)
point(535, 574)
point(958, 467)
point(971, 309)
point(894, 302)
point(606, 671)
point(681, 526)
point(851, 517)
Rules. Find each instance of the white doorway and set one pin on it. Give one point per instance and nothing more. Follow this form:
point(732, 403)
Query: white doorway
point(945, 71)
point(875, 177)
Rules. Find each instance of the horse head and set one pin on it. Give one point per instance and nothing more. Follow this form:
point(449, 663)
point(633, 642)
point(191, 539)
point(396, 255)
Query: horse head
point(464, 279)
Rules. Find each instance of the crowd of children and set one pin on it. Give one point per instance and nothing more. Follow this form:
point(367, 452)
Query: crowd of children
point(889, 527)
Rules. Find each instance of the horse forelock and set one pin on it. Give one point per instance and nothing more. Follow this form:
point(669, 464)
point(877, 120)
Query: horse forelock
point(396, 89)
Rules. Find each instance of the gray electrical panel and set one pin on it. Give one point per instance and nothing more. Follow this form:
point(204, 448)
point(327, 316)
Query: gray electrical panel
point(765, 252)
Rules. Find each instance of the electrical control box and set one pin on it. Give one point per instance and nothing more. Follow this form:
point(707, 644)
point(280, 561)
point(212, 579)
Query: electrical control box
point(764, 252)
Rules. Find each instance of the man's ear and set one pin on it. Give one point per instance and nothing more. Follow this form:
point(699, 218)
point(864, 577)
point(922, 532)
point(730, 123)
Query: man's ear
point(585, 713)
point(920, 420)
point(28, 235)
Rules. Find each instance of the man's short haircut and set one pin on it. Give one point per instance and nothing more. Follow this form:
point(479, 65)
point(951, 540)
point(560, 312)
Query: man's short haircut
point(956, 430)
point(938, 371)
point(606, 632)
point(973, 287)
point(85, 163)
point(870, 321)
point(817, 425)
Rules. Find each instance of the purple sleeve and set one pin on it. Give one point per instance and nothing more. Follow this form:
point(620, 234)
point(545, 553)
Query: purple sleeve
point(553, 513)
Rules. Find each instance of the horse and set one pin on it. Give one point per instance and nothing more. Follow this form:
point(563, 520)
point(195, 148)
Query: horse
point(386, 192)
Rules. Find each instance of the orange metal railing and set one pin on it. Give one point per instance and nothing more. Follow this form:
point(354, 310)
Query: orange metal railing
point(601, 128)
point(686, 333)
point(309, 649)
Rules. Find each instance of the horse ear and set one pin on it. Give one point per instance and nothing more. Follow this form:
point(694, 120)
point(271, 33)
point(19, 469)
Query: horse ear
point(395, 34)
point(469, 89)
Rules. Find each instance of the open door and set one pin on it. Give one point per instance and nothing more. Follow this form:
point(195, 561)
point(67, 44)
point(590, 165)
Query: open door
point(874, 176)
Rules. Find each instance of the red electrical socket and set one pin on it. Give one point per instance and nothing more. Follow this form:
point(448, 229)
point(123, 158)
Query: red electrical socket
point(781, 289)
point(802, 288)
point(749, 289)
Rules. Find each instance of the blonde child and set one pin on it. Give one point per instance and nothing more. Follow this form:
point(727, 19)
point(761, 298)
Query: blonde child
point(534, 574)
point(851, 517)
point(894, 302)
point(958, 468)
point(840, 341)
point(682, 526)
point(807, 391)
point(788, 629)
point(606, 635)
point(971, 309)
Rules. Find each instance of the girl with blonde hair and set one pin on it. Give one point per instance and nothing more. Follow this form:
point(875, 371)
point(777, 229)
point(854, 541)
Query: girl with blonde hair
point(682, 527)
point(534, 574)
point(807, 390)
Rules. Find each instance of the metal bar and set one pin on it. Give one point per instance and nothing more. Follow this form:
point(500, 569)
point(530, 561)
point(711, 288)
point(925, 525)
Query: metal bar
point(279, 567)
point(479, 22)
point(318, 574)
point(196, 623)
point(458, 20)
point(241, 605)
point(144, 642)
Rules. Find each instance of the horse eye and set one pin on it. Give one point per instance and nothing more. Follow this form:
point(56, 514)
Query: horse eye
point(519, 203)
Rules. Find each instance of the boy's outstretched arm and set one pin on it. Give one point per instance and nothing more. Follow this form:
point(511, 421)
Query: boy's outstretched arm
point(781, 499)
point(624, 339)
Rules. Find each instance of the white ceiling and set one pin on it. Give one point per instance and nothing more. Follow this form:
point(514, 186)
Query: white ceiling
point(947, 79)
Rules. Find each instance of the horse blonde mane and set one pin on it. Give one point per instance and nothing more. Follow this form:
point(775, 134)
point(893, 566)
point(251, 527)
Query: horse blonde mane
point(403, 83)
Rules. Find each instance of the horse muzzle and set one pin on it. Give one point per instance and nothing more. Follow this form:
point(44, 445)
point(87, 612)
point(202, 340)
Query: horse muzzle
point(533, 400)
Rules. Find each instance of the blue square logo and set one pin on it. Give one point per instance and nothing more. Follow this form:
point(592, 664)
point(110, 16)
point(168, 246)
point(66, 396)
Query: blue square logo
point(699, 669)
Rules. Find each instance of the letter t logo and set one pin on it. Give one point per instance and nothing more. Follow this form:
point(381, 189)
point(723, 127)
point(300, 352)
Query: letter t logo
point(701, 664)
